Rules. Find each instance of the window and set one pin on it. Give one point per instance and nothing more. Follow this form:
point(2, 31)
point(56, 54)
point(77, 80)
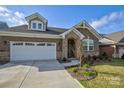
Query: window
point(41, 44)
point(34, 25)
point(50, 44)
point(29, 44)
point(39, 26)
point(88, 45)
point(17, 44)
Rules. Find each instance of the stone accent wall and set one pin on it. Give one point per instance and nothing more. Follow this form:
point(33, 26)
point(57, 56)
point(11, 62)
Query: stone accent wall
point(87, 34)
point(5, 46)
point(64, 48)
point(76, 38)
point(4, 54)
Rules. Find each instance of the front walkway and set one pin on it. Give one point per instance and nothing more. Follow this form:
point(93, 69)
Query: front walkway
point(72, 63)
point(48, 74)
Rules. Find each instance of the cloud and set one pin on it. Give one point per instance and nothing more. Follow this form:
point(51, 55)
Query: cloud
point(107, 19)
point(12, 18)
point(19, 14)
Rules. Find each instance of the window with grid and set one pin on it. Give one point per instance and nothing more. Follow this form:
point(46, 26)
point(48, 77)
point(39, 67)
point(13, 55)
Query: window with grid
point(88, 45)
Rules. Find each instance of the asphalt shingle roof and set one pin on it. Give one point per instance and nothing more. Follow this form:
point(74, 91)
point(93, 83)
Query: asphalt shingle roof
point(117, 36)
point(24, 29)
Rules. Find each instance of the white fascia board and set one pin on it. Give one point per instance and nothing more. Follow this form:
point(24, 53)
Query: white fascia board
point(120, 43)
point(79, 33)
point(34, 16)
point(33, 35)
point(75, 31)
point(105, 40)
point(90, 28)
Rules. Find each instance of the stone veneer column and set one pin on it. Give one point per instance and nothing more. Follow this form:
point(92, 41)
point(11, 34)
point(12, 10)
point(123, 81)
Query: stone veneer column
point(78, 48)
point(64, 48)
point(4, 51)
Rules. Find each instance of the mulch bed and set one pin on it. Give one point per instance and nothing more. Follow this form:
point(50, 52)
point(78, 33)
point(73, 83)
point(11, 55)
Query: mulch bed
point(81, 77)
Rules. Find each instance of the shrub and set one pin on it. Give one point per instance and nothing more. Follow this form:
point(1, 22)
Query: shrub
point(88, 73)
point(89, 58)
point(122, 57)
point(75, 70)
point(86, 60)
point(64, 59)
point(105, 56)
point(94, 57)
point(86, 65)
point(100, 57)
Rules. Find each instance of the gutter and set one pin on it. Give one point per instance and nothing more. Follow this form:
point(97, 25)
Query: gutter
point(33, 35)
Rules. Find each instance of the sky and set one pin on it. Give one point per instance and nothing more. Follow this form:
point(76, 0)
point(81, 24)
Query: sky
point(105, 19)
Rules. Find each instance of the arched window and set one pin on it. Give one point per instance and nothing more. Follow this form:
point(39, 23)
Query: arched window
point(88, 44)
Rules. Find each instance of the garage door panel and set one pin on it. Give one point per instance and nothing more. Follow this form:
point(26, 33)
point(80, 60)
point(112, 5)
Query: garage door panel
point(27, 52)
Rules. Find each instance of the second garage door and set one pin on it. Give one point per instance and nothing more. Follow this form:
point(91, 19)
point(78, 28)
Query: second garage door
point(32, 51)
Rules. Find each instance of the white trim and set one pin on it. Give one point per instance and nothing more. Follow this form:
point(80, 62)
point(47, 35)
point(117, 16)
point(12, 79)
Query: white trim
point(24, 52)
point(92, 32)
point(75, 31)
point(89, 27)
point(37, 22)
point(33, 35)
point(88, 44)
point(107, 41)
point(34, 16)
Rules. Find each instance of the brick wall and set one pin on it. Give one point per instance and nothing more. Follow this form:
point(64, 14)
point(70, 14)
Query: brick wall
point(109, 49)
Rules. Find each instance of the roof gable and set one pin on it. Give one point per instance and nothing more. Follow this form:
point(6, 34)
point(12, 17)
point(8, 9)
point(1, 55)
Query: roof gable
point(84, 24)
point(35, 15)
point(73, 30)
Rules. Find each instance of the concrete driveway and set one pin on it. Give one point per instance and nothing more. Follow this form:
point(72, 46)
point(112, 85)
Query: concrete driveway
point(44, 74)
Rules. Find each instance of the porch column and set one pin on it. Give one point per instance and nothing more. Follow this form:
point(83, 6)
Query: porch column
point(78, 49)
point(64, 48)
point(115, 55)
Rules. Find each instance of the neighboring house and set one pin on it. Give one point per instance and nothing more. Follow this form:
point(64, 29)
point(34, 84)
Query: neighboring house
point(107, 46)
point(38, 41)
point(118, 46)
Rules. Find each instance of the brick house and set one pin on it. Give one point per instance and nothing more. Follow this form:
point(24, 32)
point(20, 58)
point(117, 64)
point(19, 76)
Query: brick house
point(115, 48)
point(37, 41)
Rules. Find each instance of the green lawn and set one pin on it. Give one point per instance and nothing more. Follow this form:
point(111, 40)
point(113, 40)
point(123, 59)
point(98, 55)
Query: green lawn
point(110, 75)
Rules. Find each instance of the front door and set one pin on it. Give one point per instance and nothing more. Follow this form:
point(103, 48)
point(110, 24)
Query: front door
point(71, 48)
